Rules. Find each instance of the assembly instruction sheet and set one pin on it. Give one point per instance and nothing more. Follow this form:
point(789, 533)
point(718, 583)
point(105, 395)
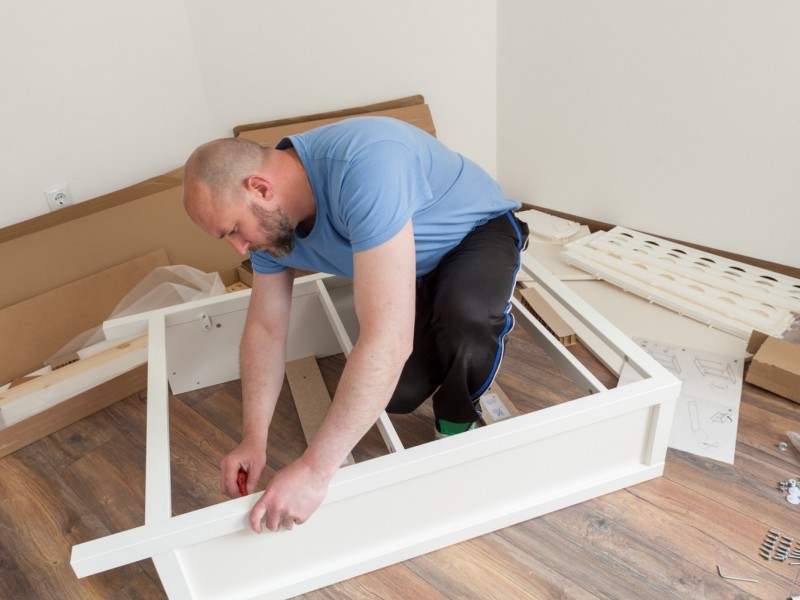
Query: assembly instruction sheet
point(707, 411)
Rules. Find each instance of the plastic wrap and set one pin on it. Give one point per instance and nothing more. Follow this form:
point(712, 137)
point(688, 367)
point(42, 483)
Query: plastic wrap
point(162, 287)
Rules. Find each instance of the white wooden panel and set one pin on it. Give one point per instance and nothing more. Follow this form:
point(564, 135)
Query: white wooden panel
point(422, 512)
point(158, 479)
point(171, 573)
point(181, 313)
point(199, 357)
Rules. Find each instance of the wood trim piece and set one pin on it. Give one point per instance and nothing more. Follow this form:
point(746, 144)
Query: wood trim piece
point(41, 393)
point(607, 356)
point(74, 409)
point(541, 309)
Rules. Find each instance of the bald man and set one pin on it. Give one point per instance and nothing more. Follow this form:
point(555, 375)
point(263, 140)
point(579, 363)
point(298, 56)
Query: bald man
point(433, 249)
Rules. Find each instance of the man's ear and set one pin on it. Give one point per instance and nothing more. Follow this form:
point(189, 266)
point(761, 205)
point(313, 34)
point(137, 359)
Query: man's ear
point(259, 184)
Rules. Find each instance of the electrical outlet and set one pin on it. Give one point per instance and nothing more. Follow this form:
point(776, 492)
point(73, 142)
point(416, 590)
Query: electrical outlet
point(58, 196)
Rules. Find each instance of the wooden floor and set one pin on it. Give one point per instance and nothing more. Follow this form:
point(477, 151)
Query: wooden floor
point(660, 539)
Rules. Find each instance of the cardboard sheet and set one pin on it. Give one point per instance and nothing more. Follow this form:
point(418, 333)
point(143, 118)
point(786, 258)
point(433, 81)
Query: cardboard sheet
point(775, 366)
point(36, 328)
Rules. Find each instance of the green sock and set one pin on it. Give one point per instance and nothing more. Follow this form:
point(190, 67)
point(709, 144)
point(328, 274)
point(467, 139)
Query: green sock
point(450, 428)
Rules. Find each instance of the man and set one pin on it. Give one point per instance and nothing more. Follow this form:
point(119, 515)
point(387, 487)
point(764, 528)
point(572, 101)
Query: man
point(432, 247)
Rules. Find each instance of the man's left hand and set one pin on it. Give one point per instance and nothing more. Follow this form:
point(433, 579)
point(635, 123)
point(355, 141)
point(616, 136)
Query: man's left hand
point(290, 498)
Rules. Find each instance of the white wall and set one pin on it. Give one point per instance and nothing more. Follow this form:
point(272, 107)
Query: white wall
point(96, 94)
point(680, 118)
point(264, 60)
point(139, 84)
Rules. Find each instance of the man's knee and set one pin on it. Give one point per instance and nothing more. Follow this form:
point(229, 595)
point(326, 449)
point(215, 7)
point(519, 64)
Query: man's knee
point(405, 401)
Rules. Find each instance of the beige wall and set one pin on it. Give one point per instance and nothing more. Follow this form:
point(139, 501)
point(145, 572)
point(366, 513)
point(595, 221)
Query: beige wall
point(679, 118)
point(105, 94)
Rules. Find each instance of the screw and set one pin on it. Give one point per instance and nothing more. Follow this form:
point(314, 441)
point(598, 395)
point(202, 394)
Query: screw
point(782, 446)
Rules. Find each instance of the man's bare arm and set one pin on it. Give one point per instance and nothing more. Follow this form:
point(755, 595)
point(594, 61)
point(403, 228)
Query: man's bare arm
point(262, 359)
point(384, 299)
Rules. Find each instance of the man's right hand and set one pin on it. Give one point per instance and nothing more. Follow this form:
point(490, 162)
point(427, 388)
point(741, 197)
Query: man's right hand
point(248, 457)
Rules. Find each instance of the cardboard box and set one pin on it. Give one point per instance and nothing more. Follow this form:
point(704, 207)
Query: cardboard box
point(775, 365)
point(38, 327)
point(237, 278)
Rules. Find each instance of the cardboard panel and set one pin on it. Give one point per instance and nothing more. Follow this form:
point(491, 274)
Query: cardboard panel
point(38, 327)
point(269, 136)
point(310, 396)
point(341, 113)
point(775, 366)
point(46, 258)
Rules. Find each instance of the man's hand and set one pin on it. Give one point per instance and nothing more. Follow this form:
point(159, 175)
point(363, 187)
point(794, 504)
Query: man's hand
point(292, 495)
point(248, 457)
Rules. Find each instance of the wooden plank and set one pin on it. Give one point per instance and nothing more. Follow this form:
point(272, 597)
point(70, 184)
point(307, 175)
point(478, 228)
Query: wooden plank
point(418, 115)
point(392, 583)
point(608, 545)
point(158, 483)
point(38, 327)
point(43, 392)
point(541, 309)
point(310, 396)
point(76, 408)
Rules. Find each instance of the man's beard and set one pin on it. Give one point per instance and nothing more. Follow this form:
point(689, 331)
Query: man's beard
point(274, 225)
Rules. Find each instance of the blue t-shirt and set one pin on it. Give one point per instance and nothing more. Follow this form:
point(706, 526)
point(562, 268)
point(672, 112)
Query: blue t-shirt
point(369, 176)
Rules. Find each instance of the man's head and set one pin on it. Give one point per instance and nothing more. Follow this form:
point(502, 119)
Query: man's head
point(234, 189)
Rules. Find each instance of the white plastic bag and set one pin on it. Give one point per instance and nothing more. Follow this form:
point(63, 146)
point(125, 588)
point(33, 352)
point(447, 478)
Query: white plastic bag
point(162, 287)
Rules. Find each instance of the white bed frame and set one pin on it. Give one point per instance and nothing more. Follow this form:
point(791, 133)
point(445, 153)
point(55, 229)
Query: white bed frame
point(394, 507)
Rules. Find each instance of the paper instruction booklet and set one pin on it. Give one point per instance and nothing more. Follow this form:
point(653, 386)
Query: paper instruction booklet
point(707, 411)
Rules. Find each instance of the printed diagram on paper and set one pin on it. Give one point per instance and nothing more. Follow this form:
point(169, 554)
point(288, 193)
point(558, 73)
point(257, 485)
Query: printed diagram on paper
point(707, 410)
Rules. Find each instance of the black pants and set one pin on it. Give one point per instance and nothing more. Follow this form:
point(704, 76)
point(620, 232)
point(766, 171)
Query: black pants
point(462, 320)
